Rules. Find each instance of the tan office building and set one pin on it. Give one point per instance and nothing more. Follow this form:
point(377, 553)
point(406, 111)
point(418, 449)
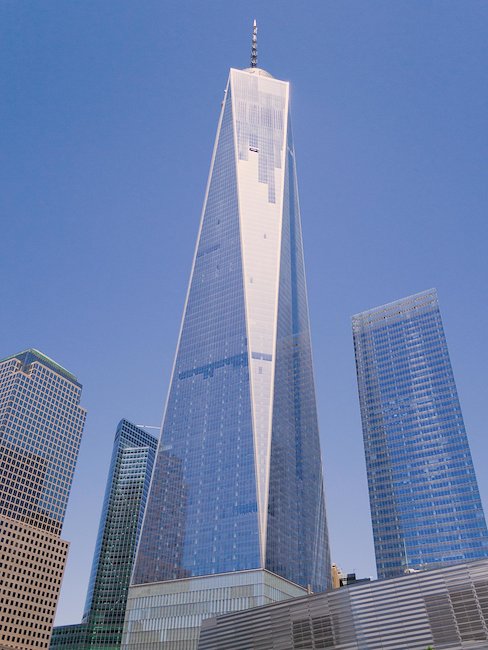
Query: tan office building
point(41, 423)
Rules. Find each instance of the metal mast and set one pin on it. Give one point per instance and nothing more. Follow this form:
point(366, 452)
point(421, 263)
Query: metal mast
point(254, 46)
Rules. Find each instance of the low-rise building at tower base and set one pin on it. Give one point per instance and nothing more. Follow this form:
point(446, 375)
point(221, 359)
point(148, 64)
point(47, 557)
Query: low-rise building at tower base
point(169, 614)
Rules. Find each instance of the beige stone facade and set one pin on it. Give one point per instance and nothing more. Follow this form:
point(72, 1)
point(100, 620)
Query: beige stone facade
point(31, 567)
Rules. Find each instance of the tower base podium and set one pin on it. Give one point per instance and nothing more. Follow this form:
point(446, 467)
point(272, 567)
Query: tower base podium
point(169, 614)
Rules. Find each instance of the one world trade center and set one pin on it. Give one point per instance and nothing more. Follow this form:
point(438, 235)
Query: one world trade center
point(235, 515)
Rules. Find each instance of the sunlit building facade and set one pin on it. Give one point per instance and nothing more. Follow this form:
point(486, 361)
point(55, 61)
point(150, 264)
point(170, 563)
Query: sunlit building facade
point(425, 504)
point(237, 500)
point(41, 423)
point(120, 524)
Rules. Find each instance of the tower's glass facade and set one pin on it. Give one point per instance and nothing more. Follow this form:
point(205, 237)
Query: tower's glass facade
point(238, 477)
point(425, 504)
point(120, 524)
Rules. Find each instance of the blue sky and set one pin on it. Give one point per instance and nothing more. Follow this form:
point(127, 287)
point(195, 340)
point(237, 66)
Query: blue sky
point(108, 112)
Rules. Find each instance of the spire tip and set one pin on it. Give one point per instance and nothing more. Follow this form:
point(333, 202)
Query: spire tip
point(254, 45)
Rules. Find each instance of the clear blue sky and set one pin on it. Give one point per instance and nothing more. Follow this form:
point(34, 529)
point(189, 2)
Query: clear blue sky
point(108, 112)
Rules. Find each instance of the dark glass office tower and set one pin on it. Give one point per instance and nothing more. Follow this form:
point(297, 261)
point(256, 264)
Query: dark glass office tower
point(237, 484)
point(120, 523)
point(425, 504)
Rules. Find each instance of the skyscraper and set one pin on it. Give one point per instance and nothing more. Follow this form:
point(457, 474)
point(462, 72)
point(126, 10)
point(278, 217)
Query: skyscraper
point(41, 423)
point(425, 504)
point(235, 515)
point(120, 524)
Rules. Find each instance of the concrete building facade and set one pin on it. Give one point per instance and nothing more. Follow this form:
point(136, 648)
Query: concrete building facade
point(445, 609)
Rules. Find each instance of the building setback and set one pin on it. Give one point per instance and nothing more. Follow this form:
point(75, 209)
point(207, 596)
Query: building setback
point(120, 524)
point(41, 423)
point(236, 506)
point(425, 504)
point(446, 609)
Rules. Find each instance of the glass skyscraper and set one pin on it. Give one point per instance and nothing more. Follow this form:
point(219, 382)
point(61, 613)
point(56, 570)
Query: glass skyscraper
point(425, 504)
point(120, 524)
point(237, 484)
point(41, 423)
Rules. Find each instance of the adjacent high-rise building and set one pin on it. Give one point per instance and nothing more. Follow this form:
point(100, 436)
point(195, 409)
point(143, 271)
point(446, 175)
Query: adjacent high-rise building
point(41, 423)
point(425, 504)
point(120, 524)
point(235, 515)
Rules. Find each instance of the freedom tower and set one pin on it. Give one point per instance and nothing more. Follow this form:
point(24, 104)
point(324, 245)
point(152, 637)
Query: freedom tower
point(235, 515)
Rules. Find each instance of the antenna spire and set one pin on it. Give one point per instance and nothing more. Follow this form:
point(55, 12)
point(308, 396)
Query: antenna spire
point(254, 46)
